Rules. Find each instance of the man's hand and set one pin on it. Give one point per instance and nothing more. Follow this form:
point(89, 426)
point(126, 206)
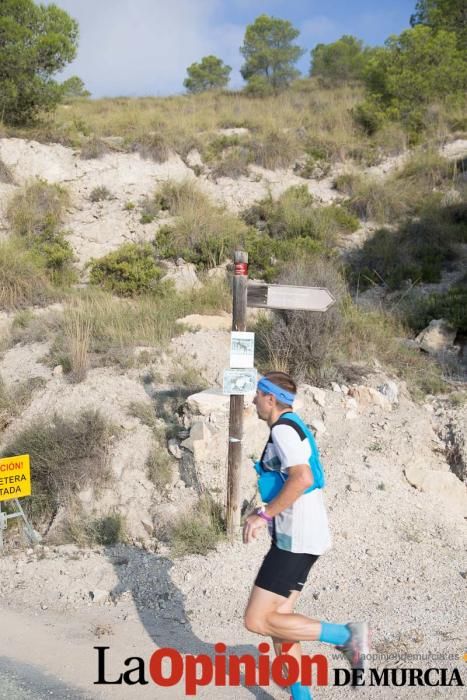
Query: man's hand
point(253, 524)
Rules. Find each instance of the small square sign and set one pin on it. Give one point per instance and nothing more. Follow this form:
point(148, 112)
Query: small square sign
point(239, 381)
point(242, 349)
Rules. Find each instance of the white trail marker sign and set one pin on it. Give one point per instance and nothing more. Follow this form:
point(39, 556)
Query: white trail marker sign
point(291, 297)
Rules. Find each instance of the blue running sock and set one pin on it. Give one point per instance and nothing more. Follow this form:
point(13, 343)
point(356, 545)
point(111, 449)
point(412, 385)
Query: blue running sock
point(300, 692)
point(334, 634)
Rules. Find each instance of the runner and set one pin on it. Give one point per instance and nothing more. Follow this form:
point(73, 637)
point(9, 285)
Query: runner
point(296, 517)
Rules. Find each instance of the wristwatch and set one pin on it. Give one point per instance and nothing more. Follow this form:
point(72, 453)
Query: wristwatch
point(261, 511)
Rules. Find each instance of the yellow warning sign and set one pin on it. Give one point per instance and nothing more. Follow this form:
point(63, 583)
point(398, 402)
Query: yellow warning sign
point(15, 477)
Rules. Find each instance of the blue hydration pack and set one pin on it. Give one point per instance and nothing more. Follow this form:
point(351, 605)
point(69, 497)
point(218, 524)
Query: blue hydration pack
point(270, 482)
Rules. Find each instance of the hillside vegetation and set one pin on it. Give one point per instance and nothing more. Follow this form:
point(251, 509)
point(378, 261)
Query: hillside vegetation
point(120, 218)
point(417, 210)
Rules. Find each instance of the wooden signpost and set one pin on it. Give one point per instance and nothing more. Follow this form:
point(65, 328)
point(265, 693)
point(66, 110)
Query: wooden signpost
point(266, 296)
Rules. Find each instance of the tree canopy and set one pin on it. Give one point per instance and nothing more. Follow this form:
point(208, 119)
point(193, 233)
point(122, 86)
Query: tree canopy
point(74, 87)
point(209, 74)
point(450, 15)
point(342, 61)
point(414, 69)
point(36, 41)
point(269, 54)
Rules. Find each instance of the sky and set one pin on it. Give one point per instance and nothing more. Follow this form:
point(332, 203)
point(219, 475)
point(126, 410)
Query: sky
point(143, 47)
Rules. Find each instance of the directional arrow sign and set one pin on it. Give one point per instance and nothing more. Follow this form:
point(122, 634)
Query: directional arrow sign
point(292, 297)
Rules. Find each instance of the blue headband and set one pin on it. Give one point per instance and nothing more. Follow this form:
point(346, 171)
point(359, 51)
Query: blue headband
point(281, 394)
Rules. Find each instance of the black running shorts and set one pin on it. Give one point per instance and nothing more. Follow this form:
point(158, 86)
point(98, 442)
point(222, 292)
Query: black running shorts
point(283, 572)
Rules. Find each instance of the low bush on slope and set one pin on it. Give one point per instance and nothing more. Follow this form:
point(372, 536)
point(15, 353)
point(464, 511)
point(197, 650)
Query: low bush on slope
point(319, 347)
point(35, 215)
point(67, 454)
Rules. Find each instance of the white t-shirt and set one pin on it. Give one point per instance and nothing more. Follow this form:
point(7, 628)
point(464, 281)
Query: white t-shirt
point(302, 527)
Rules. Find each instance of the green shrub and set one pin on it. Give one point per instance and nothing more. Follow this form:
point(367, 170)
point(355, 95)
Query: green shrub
point(109, 529)
point(38, 207)
point(203, 233)
point(85, 531)
point(23, 280)
point(56, 254)
point(418, 250)
point(370, 116)
point(266, 254)
point(230, 156)
point(35, 214)
point(312, 168)
point(214, 295)
point(233, 163)
point(216, 146)
point(129, 271)
point(450, 305)
point(427, 170)
point(67, 455)
point(99, 194)
point(209, 244)
point(152, 146)
point(199, 531)
point(276, 149)
point(344, 220)
point(93, 148)
point(145, 412)
point(149, 208)
point(374, 334)
point(177, 197)
point(375, 199)
point(458, 398)
point(295, 215)
point(160, 466)
point(172, 197)
point(187, 376)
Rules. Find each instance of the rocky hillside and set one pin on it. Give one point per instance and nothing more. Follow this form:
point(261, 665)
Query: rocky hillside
point(396, 468)
point(97, 227)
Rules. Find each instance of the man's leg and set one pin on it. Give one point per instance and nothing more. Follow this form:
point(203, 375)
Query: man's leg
point(283, 606)
point(263, 617)
point(294, 649)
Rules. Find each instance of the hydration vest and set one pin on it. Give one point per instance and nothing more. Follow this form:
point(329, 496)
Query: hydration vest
point(295, 422)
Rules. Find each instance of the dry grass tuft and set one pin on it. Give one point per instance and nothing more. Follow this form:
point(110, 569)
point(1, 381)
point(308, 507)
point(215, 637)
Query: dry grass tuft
point(22, 281)
point(6, 175)
point(200, 530)
point(94, 148)
point(66, 454)
point(77, 328)
point(38, 207)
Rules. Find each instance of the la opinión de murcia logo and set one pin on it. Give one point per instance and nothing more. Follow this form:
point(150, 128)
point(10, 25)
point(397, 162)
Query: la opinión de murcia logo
point(167, 667)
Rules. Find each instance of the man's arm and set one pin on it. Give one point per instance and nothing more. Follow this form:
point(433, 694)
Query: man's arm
point(299, 480)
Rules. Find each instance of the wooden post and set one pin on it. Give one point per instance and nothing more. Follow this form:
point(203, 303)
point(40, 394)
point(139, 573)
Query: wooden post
point(240, 282)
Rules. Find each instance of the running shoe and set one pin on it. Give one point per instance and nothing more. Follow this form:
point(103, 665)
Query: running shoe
point(356, 649)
